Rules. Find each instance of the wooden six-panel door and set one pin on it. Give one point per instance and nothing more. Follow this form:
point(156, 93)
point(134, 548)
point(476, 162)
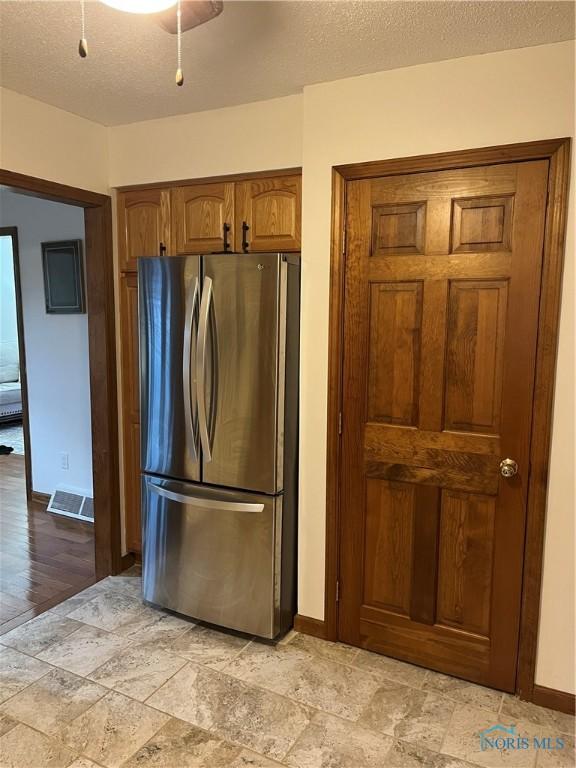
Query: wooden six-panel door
point(442, 291)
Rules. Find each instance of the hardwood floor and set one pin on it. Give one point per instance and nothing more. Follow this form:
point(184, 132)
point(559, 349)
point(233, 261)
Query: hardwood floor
point(44, 558)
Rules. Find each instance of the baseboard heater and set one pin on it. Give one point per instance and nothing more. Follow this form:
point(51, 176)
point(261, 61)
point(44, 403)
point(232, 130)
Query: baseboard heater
point(72, 503)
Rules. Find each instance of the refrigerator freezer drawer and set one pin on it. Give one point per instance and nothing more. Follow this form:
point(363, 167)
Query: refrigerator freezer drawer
point(212, 554)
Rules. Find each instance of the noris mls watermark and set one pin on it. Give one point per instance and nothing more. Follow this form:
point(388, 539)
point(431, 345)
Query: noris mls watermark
point(504, 738)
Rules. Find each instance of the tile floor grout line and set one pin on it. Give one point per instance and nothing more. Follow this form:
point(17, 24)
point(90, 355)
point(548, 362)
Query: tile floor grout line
point(55, 737)
point(499, 713)
point(213, 734)
point(447, 730)
point(58, 736)
point(200, 665)
point(237, 655)
point(204, 666)
point(312, 710)
point(56, 666)
point(5, 701)
point(133, 646)
point(315, 710)
point(51, 737)
point(218, 733)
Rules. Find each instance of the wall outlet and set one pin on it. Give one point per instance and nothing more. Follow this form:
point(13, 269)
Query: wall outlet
point(64, 460)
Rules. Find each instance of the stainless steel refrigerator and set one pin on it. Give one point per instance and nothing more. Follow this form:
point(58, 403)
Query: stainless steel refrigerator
point(219, 349)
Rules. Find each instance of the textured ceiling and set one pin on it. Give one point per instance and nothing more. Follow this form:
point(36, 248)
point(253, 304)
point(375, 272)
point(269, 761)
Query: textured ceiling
point(253, 51)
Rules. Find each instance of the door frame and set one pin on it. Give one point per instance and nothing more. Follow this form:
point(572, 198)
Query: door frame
point(557, 151)
point(12, 232)
point(102, 353)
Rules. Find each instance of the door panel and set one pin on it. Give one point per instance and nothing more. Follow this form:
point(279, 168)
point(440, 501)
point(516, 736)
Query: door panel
point(244, 388)
point(475, 355)
point(143, 225)
point(466, 553)
point(441, 312)
point(212, 554)
point(199, 214)
point(395, 324)
point(272, 210)
point(389, 538)
point(168, 315)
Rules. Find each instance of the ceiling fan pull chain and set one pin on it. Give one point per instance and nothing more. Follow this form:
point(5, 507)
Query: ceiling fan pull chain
point(83, 44)
point(179, 75)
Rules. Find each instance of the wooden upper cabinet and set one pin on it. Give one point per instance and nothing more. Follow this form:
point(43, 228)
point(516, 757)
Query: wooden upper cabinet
point(143, 225)
point(271, 208)
point(200, 213)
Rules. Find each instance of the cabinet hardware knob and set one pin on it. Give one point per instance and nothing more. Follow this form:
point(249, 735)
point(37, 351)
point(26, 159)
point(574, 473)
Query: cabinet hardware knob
point(162, 249)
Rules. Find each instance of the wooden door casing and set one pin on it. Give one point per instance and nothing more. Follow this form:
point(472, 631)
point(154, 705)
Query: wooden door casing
point(143, 225)
point(441, 314)
point(199, 214)
point(272, 210)
point(130, 409)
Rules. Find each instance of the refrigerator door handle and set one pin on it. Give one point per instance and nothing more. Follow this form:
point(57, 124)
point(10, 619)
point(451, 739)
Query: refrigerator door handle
point(201, 367)
point(197, 501)
point(191, 303)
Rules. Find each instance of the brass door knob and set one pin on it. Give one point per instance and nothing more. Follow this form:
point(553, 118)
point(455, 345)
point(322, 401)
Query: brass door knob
point(508, 468)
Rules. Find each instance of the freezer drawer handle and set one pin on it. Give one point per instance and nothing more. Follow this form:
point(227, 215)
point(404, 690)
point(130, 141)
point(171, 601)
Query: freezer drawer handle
point(195, 501)
point(186, 371)
point(201, 367)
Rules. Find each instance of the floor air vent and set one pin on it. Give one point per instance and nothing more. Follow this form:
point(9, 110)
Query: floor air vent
point(72, 504)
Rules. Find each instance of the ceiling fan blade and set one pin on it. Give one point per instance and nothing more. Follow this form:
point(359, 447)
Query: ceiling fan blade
point(194, 13)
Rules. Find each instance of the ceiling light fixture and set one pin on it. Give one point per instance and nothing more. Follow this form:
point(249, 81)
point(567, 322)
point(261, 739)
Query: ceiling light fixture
point(144, 6)
point(140, 6)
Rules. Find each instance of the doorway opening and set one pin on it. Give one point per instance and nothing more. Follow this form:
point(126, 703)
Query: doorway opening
point(63, 431)
point(13, 389)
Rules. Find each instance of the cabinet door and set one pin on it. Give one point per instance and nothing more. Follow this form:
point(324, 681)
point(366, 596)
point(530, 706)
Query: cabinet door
point(271, 208)
point(129, 344)
point(200, 213)
point(132, 495)
point(143, 225)
point(130, 407)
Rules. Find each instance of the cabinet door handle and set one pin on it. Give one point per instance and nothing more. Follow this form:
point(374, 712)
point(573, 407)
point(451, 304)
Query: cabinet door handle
point(226, 229)
point(245, 243)
point(162, 249)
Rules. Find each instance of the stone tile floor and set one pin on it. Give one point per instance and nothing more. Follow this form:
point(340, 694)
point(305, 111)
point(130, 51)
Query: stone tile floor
point(104, 680)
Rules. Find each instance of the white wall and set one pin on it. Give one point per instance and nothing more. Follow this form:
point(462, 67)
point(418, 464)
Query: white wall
point(252, 137)
point(56, 349)
point(8, 319)
point(40, 140)
point(499, 98)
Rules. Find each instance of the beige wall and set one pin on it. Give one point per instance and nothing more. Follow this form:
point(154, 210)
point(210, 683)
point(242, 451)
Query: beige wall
point(252, 137)
point(43, 141)
point(498, 98)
